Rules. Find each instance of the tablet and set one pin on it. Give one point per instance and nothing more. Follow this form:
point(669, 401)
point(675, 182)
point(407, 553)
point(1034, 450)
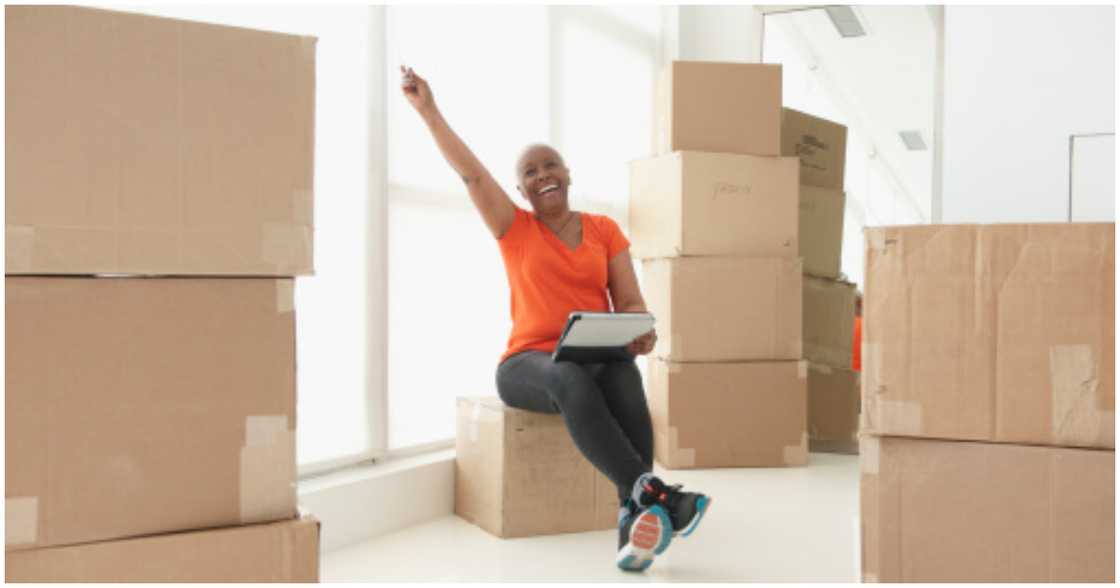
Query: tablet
point(594, 337)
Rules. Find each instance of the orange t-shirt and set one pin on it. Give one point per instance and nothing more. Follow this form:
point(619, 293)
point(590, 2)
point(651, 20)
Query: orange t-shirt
point(548, 280)
point(857, 342)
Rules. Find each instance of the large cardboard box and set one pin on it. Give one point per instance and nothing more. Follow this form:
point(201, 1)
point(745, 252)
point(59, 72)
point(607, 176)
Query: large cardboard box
point(136, 406)
point(718, 107)
point(148, 145)
point(694, 203)
point(725, 308)
point(820, 230)
point(820, 144)
point(829, 312)
point(286, 551)
point(518, 474)
point(991, 333)
point(947, 511)
point(833, 409)
point(742, 414)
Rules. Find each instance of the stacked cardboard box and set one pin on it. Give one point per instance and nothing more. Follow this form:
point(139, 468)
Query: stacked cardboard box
point(150, 413)
point(988, 403)
point(828, 301)
point(713, 216)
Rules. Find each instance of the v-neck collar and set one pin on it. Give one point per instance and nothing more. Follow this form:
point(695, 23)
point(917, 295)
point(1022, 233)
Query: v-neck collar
point(549, 234)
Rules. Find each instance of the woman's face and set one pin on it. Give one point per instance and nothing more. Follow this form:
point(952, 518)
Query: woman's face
point(543, 179)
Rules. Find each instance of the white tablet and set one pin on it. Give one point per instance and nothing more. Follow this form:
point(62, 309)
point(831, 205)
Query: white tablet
point(593, 337)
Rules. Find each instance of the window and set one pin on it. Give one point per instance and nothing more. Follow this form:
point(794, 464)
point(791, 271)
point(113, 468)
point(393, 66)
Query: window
point(579, 78)
point(331, 353)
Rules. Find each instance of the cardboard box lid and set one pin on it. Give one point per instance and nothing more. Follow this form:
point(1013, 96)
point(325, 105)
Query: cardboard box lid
point(991, 332)
point(945, 511)
point(148, 145)
point(820, 144)
point(286, 551)
point(136, 406)
point(720, 107)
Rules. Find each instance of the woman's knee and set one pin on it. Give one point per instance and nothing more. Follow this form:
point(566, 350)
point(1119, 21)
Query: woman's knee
point(568, 382)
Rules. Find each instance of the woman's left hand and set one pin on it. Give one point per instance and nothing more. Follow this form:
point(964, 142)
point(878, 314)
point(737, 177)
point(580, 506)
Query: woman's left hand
point(643, 344)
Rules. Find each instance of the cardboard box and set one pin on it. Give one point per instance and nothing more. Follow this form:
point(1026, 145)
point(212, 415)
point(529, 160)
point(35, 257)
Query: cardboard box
point(715, 415)
point(829, 312)
point(725, 308)
point(718, 107)
point(148, 145)
point(694, 203)
point(137, 406)
point(821, 230)
point(991, 333)
point(833, 409)
point(820, 144)
point(518, 474)
point(947, 511)
point(286, 551)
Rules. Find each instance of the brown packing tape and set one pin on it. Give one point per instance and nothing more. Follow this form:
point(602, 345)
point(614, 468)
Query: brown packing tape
point(19, 246)
point(905, 417)
point(284, 245)
point(285, 296)
point(680, 456)
point(876, 239)
point(21, 520)
point(869, 454)
point(307, 45)
point(820, 367)
point(871, 578)
point(674, 367)
point(802, 369)
point(267, 469)
point(1076, 416)
point(797, 454)
point(303, 205)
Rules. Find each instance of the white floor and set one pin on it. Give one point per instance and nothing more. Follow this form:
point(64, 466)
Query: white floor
point(780, 524)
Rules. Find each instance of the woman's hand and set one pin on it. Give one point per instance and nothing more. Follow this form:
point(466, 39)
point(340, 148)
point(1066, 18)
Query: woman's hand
point(643, 344)
point(417, 91)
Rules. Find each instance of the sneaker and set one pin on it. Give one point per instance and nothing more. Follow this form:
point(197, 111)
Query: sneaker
point(685, 509)
point(642, 534)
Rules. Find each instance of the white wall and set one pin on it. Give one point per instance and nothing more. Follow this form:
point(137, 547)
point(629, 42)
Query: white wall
point(1018, 82)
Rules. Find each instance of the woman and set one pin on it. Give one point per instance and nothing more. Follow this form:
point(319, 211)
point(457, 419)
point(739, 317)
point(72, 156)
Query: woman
point(558, 260)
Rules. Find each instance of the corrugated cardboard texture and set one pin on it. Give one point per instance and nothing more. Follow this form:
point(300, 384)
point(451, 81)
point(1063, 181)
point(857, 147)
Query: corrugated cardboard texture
point(821, 230)
point(833, 407)
point(725, 308)
point(718, 107)
point(286, 551)
point(133, 406)
point(519, 474)
point(820, 144)
point(711, 415)
point(829, 311)
point(946, 511)
point(993, 333)
point(694, 203)
point(148, 145)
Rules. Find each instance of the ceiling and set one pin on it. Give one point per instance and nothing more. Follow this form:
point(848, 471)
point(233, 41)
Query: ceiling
point(884, 83)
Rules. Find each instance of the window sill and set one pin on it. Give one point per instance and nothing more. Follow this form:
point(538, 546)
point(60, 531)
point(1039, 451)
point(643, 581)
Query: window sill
point(368, 500)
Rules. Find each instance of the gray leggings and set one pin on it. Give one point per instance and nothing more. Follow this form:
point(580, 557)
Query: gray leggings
point(603, 405)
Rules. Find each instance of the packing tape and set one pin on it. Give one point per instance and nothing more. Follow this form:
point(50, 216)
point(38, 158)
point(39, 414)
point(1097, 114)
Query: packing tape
point(820, 367)
point(1076, 415)
point(283, 245)
point(678, 456)
point(676, 347)
point(285, 295)
point(472, 427)
point(802, 369)
point(674, 367)
point(872, 358)
point(869, 455)
point(871, 578)
point(19, 245)
point(307, 46)
point(905, 416)
point(21, 520)
point(876, 239)
point(267, 468)
point(797, 454)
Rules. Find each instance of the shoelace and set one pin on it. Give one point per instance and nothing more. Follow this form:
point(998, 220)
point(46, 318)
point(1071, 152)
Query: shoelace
point(667, 495)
